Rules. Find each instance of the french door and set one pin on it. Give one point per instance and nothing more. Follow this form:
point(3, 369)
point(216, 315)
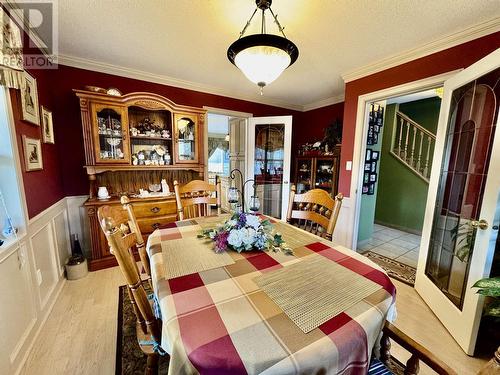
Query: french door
point(269, 143)
point(463, 206)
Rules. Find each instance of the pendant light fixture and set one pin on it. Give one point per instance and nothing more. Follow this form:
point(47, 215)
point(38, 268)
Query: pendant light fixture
point(262, 57)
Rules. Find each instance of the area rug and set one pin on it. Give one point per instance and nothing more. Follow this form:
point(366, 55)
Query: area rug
point(395, 269)
point(129, 358)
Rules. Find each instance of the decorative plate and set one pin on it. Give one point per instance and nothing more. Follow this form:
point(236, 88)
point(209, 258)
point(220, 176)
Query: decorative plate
point(114, 91)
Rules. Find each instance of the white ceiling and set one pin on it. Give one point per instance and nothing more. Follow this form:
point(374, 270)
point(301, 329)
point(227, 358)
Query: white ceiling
point(187, 39)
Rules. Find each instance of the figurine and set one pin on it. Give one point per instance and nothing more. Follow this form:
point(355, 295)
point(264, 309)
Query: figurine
point(165, 134)
point(135, 159)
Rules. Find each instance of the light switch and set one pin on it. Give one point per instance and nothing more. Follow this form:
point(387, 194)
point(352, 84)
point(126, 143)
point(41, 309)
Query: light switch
point(348, 165)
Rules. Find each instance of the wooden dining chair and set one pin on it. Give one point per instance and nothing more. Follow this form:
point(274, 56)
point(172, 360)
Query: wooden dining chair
point(196, 198)
point(121, 243)
point(389, 365)
point(315, 211)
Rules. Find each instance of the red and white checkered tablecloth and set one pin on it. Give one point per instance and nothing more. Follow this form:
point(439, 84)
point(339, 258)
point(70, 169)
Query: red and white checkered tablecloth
point(218, 321)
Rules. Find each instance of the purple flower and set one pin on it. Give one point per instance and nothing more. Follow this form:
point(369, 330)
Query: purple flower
point(242, 220)
point(221, 241)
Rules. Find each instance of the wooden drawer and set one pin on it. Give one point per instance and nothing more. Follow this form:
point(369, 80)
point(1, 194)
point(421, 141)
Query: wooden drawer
point(148, 225)
point(154, 209)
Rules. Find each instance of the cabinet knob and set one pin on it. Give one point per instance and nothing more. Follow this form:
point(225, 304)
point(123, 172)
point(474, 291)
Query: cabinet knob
point(155, 225)
point(155, 210)
point(481, 224)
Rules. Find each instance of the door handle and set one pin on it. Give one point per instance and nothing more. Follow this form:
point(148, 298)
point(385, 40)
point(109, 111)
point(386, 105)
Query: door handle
point(481, 224)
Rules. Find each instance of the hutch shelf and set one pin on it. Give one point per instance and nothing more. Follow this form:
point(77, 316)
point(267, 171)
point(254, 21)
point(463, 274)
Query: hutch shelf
point(132, 142)
point(318, 172)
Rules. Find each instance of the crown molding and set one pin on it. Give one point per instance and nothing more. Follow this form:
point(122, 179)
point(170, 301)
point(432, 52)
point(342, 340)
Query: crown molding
point(78, 62)
point(323, 103)
point(445, 42)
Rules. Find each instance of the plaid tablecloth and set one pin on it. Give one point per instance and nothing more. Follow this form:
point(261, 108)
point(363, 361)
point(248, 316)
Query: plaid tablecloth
point(219, 322)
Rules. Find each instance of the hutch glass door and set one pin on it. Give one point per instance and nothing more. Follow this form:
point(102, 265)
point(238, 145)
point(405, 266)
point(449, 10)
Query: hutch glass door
point(461, 221)
point(269, 153)
point(186, 138)
point(110, 134)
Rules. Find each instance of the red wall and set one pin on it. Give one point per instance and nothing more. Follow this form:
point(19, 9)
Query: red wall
point(43, 188)
point(68, 125)
point(444, 61)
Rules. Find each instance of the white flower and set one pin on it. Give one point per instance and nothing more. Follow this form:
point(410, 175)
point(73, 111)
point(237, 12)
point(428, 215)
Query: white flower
point(231, 223)
point(253, 221)
point(248, 237)
point(235, 238)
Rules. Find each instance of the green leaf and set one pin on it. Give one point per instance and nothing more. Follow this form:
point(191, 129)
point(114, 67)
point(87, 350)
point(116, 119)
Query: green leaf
point(490, 292)
point(493, 282)
point(493, 309)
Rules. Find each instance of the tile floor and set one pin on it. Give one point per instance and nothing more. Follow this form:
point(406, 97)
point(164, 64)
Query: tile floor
point(394, 244)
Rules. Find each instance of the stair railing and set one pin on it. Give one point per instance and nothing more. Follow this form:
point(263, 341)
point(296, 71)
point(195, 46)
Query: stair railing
point(413, 145)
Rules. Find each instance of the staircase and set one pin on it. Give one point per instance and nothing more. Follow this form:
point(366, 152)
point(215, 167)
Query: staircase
point(413, 145)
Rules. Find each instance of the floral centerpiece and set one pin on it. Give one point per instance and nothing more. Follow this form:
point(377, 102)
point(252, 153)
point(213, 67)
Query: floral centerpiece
point(246, 232)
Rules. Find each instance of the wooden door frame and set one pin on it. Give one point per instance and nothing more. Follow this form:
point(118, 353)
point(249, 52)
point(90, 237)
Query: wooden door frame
point(361, 134)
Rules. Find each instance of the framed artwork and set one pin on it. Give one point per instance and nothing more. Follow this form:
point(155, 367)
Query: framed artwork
point(47, 126)
point(375, 138)
point(368, 154)
point(376, 128)
point(368, 167)
point(371, 189)
point(375, 155)
point(32, 154)
point(373, 166)
point(365, 189)
point(366, 177)
point(373, 177)
point(29, 100)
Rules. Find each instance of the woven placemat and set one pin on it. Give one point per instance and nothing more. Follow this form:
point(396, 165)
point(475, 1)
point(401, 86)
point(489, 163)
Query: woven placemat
point(315, 290)
point(191, 255)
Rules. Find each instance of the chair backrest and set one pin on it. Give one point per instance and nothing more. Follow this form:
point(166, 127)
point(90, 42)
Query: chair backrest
point(315, 211)
point(134, 227)
point(121, 244)
point(196, 198)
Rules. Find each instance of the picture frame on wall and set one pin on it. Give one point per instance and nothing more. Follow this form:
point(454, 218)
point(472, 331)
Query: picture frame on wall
point(368, 154)
point(373, 167)
point(365, 189)
point(47, 126)
point(376, 128)
point(368, 167)
point(373, 177)
point(29, 100)
point(375, 155)
point(32, 154)
point(371, 189)
point(366, 177)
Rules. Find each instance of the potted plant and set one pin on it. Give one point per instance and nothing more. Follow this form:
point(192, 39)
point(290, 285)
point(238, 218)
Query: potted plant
point(490, 287)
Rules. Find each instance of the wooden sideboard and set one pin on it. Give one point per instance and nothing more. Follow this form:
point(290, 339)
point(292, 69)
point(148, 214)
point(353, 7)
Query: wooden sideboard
point(318, 172)
point(132, 142)
point(151, 213)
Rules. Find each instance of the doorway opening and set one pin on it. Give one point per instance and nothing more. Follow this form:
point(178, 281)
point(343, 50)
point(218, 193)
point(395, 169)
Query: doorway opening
point(396, 170)
point(226, 143)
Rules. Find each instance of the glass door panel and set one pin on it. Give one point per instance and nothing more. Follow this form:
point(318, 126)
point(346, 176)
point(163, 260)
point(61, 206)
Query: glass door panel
point(186, 138)
point(110, 134)
point(269, 158)
point(304, 170)
point(468, 147)
point(325, 169)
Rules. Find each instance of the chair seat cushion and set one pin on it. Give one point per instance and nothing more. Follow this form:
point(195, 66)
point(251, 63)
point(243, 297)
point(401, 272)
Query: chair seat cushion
point(378, 368)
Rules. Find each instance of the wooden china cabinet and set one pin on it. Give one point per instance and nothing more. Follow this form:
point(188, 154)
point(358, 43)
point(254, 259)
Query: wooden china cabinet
point(318, 172)
point(132, 142)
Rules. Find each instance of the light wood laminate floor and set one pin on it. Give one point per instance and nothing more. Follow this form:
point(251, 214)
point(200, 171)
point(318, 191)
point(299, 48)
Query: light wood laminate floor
point(79, 337)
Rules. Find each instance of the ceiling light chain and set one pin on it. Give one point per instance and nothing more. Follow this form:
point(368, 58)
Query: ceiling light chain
point(263, 57)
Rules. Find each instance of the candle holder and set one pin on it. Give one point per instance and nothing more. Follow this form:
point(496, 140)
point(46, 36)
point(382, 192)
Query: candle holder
point(234, 194)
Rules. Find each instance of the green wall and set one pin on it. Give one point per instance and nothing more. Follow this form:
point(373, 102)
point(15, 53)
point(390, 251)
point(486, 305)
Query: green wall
point(402, 195)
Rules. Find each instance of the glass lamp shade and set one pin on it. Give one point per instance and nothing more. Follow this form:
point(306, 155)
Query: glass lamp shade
point(262, 57)
point(233, 195)
point(262, 64)
point(254, 203)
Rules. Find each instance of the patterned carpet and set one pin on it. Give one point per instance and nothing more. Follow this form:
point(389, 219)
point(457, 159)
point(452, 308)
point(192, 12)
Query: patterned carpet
point(129, 358)
point(395, 269)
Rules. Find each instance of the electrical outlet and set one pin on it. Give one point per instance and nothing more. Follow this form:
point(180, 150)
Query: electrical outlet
point(39, 277)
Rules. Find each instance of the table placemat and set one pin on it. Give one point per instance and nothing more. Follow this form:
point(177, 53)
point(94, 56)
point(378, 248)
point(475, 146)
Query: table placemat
point(191, 255)
point(295, 290)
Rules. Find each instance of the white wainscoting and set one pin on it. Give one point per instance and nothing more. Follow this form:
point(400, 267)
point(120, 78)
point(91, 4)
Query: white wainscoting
point(343, 231)
point(31, 277)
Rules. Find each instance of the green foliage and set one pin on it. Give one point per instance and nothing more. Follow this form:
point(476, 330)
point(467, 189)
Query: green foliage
point(490, 287)
point(463, 234)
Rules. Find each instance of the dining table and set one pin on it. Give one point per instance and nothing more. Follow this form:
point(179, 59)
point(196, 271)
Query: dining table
point(222, 321)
